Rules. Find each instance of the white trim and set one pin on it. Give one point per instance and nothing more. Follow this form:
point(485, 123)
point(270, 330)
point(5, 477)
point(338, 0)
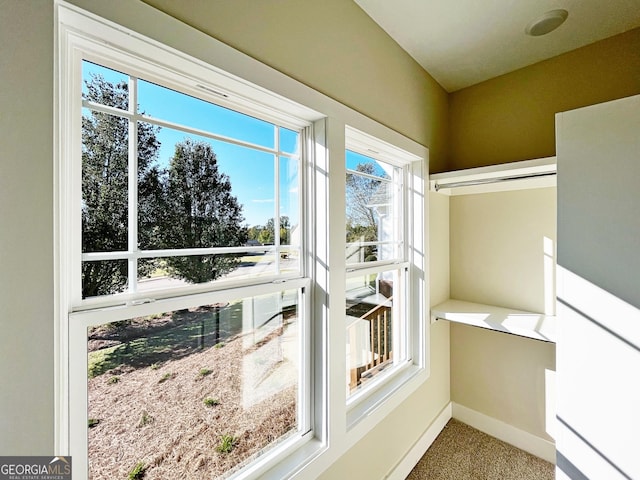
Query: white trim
point(150, 307)
point(60, 331)
point(537, 173)
point(515, 322)
point(370, 146)
point(371, 268)
point(526, 441)
point(204, 80)
point(409, 334)
point(403, 468)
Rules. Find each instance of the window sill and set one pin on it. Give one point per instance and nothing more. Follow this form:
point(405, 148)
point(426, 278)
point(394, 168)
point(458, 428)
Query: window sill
point(400, 383)
point(516, 322)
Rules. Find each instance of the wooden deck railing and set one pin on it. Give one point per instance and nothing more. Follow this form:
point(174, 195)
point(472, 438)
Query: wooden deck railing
point(380, 344)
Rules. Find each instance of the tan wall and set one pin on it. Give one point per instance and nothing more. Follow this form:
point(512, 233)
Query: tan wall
point(504, 376)
point(498, 249)
point(498, 257)
point(26, 228)
point(511, 117)
point(335, 48)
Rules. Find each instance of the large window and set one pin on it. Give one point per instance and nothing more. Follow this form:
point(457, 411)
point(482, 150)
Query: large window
point(378, 261)
point(189, 280)
point(200, 219)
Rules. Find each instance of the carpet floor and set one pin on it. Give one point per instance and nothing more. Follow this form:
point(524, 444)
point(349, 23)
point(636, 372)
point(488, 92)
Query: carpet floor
point(463, 453)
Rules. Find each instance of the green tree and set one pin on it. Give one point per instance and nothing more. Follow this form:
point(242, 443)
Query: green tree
point(266, 234)
point(200, 211)
point(253, 233)
point(105, 143)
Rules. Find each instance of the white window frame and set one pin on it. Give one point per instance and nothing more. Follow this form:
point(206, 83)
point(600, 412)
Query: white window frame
point(145, 69)
point(132, 255)
point(336, 428)
point(83, 37)
point(410, 265)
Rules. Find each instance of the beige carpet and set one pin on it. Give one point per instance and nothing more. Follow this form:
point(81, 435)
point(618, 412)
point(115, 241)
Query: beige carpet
point(464, 453)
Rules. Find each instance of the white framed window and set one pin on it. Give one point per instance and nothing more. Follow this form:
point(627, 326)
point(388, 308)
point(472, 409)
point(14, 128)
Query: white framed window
point(186, 204)
point(276, 311)
point(384, 231)
point(177, 191)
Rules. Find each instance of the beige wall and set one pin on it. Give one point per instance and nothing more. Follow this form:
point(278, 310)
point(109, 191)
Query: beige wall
point(335, 48)
point(504, 376)
point(498, 257)
point(511, 117)
point(26, 228)
point(498, 247)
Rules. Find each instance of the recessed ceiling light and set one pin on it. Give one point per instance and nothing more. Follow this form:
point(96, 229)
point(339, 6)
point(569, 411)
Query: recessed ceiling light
point(546, 23)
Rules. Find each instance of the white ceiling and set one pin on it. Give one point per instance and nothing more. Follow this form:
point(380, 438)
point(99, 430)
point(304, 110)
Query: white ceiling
point(464, 42)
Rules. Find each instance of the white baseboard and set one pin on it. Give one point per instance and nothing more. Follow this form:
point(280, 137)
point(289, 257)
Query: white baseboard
point(413, 456)
point(507, 433)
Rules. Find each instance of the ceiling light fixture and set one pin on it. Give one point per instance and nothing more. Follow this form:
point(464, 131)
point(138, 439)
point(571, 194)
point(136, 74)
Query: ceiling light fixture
point(546, 23)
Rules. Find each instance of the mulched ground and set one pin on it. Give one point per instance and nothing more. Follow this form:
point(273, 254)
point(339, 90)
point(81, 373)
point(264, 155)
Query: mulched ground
point(157, 415)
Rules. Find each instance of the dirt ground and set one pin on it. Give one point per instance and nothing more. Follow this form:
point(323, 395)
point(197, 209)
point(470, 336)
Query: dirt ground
point(174, 416)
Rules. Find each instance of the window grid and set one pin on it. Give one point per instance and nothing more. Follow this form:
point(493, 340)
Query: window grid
point(134, 254)
point(383, 332)
point(395, 182)
point(84, 314)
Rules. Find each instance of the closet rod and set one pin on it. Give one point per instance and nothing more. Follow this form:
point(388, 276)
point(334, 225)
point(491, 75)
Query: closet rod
point(483, 181)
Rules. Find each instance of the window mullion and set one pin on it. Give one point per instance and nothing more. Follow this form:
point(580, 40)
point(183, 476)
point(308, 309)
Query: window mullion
point(276, 217)
point(402, 225)
point(132, 262)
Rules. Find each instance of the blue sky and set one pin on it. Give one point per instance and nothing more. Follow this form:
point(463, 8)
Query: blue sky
point(353, 159)
point(251, 171)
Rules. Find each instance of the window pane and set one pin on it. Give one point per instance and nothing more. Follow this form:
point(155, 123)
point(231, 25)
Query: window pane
point(289, 260)
point(193, 393)
point(105, 86)
point(104, 182)
point(167, 272)
point(289, 202)
point(104, 277)
point(372, 220)
point(370, 327)
point(289, 141)
point(176, 107)
point(203, 193)
point(368, 165)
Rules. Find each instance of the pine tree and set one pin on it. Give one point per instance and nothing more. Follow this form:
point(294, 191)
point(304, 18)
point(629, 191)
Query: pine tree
point(200, 211)
point(105, 143)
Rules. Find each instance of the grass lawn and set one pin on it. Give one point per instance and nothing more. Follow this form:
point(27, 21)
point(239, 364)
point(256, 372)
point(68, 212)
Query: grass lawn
point(179, 334)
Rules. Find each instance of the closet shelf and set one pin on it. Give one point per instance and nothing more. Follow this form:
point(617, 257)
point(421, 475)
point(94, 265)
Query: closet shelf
point(517, 322)
point(521, 175)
